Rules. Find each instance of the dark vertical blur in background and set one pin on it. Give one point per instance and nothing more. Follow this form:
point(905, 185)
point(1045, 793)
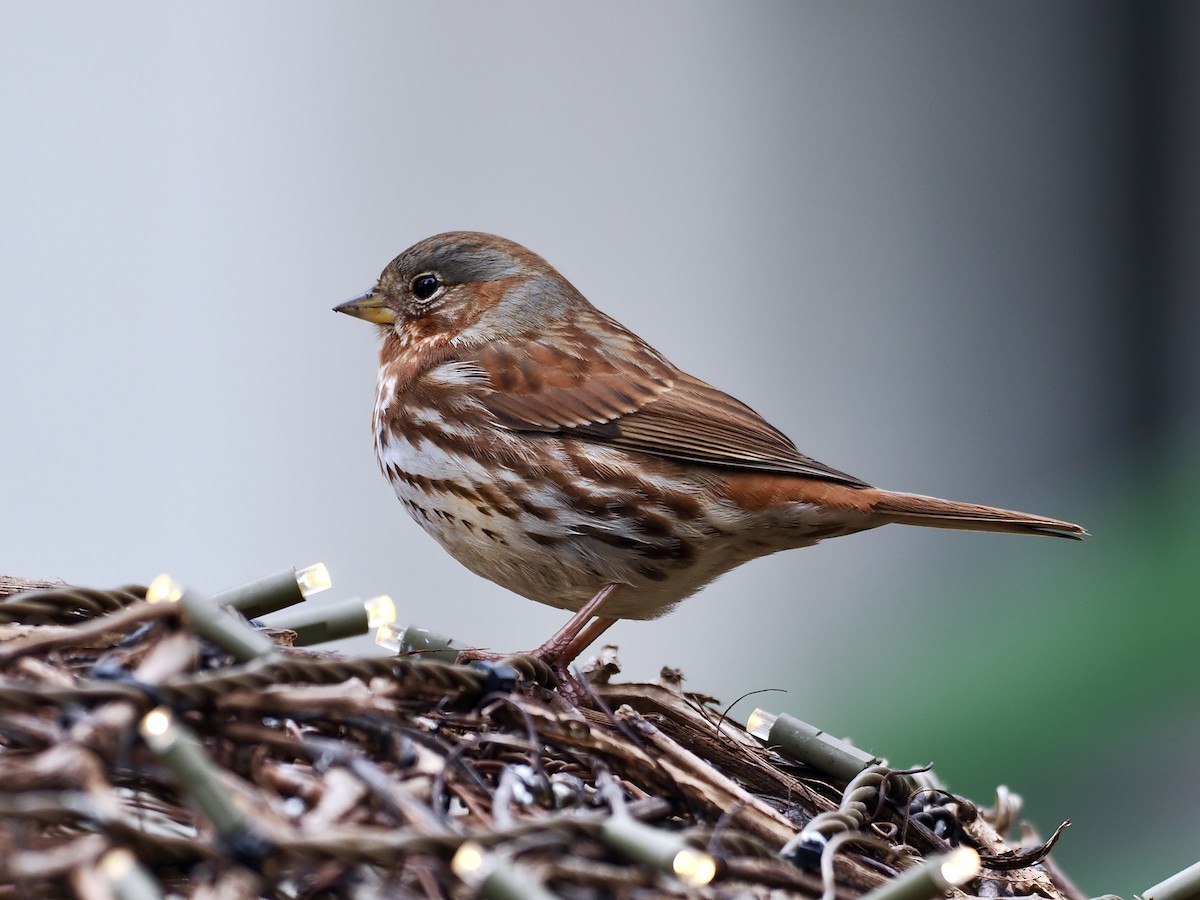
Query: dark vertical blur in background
point(1159, 154)
point(950, 248)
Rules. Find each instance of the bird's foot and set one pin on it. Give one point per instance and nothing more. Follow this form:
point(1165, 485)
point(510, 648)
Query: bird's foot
point(562, 648)
point(471, 654)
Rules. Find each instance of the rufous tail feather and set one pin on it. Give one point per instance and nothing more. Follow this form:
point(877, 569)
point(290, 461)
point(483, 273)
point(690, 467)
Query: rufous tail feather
point(913, 509)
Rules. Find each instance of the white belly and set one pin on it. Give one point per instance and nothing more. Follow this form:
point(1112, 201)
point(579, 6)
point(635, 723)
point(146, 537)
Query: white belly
point(518, 530)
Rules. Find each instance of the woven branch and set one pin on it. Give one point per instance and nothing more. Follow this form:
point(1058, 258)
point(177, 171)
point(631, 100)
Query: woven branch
point(364, 776)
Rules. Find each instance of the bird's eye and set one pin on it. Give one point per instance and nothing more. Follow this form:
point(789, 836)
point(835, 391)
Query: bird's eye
point(425, 286)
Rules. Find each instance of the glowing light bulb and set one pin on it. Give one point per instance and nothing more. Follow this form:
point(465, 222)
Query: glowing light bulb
point(960, 866)
point(274, 592)
point(116, 864)
point(313, 579)
point(181, 751)
point(157, 723)
point(317, 623)
point(163, 589)
point(809, 745)
point(389, 638)
point(381, 611)
point(491, 876)
point(759, 723)
point(126, 878)
point(694, 868)
point(468, 862)
point(666, 851)
point(931, 878)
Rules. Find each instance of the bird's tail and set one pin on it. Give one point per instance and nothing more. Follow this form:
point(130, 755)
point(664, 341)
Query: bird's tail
point(913, 509)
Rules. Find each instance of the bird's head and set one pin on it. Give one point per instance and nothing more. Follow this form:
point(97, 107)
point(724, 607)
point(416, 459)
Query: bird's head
point(463, 287)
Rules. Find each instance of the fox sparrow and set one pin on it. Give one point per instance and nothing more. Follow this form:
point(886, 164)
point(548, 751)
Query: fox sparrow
point(553, 451)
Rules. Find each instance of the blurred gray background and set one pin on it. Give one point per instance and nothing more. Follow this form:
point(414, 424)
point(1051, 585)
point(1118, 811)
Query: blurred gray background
point(949, 248)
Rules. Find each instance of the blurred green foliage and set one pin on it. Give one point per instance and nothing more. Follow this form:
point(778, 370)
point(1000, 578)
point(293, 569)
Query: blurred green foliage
point(1077, 685)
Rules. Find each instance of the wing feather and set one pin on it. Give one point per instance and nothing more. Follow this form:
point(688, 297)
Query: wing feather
point(598, 381)
point(696, 422)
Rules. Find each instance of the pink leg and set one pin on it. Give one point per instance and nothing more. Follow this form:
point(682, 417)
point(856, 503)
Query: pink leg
point(584, 639)
point(570, 640)
point(579, 631)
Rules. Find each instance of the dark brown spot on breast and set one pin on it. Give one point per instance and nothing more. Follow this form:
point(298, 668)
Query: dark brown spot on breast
point(437, 485)
point(495, 499)
point(672, 548)
point(649, 571)
point(622, 509)
point(585, 502)
point(609, 537)
point(530, 508)
point(491, 535)
point(654, 526)
point(682, 505)
point(457, 489)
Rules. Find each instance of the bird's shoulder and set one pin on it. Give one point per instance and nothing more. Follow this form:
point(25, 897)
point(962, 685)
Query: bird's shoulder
point(600, 382)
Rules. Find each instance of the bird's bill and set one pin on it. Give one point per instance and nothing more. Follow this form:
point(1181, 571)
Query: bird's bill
point(370, 306)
